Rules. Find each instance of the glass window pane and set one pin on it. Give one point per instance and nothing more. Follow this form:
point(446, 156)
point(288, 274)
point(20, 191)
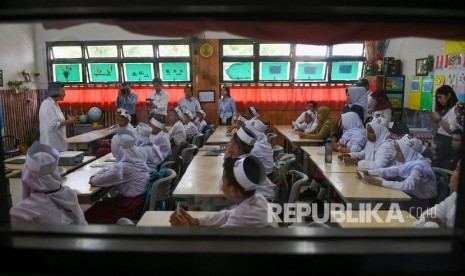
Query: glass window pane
point(351, 49)
point(67, 73)
point(310, 71)
point(102, 51)
point(137, 50)
point(103, 72)
point(138, 72)
point(346, 70)
point(174, 50)
point(238, 50)
point(67, 51)
point(311, 50)
point(274, 70)
point(175, 71)
point(237, 71)
point(275, 49)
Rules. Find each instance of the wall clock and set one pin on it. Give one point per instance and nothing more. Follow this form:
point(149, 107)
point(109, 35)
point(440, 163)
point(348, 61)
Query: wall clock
point(206, 50)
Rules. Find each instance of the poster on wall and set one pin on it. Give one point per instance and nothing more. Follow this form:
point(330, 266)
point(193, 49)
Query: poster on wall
point(460, 89)
point(415, 86)
point(415, 95)
point(427, 86)
point(426, 98)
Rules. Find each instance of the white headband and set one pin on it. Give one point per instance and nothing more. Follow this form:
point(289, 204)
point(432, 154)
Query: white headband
point(189, 114)
point(241, 177)
point(202, 112)
point(256, 124)
point(124, 113)
point(156, 123)
point(242, 119)
point(179, 112)
point(414, 143)
point(254, 112)
point(244, 137)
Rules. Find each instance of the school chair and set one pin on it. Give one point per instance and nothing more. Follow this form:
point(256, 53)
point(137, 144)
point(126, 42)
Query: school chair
point(161, 190)
point(271, 137)
point(300, 179)
point(198, 140)
point(10, 145)
point(279, 177)
point(125, 222)
point(277, 150)
point(187, 155)
point(442, 182)
point(207, 135)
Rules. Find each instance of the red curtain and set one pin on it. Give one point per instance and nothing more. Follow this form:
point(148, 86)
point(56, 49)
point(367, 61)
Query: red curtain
point(288, 98)
point(104, 97)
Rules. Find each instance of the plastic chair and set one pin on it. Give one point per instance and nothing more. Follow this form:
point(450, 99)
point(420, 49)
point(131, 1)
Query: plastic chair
point(300, 180)
point(271, 137)
point(277, 149)
point(442, 182)
point(187, 155)
point(10, 145)
point(125, 222)
point(207, 135)
point(279, 176)
point(161, 189)
point(198, 140)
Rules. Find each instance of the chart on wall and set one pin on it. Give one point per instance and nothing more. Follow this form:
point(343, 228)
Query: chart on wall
point(426, 99)
point(415, 95)
point(175, 71)
point(103, 72)
point(140, 72)
point(274, 70)
point(67, 73)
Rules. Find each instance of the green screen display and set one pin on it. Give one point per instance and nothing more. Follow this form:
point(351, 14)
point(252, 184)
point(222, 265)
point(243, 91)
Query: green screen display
point(178, 71)
point(237, 71)
point(67, 73)
point(310, 71)
point(138, 71)
point(274, 70)
point(103, 72)
point(346, 70)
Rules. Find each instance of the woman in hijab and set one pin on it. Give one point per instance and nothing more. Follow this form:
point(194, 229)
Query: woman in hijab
point(129, 175)
point(151, 152)
point(379, 152)
point(324, 128)
point(45, 200)
point(413, 175)
point(354, 137)
point(357, 102)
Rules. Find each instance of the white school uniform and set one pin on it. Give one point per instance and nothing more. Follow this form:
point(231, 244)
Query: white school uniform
point(445, 211)
point(201, 125)
point(191, 130)
point(251, 212)
point(308, 127)
point(451, 120)
point(354, 136)
point(264, 152)
point(178, 133)
point(301, 118)
point(162, 140)
point(152, 155)
point(50, 118)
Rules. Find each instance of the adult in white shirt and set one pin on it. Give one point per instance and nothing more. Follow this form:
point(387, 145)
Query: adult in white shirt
point(52, 122)
point(161, 138)
point(150, 151)
point(158, 100)
point(177, 132)
point(446, 118)
point(189, 126)
point(311, 106)
point(189, 102)
point(443, 213)
point(129, 175)
point(45, 200)
point(241, 177)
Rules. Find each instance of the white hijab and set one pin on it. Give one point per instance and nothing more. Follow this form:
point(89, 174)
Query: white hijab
point(40, 175)
point(148, 150)
point(412, 159)
point(352, 126)
point(382, 135)
point(127, 154)
point(358, 96)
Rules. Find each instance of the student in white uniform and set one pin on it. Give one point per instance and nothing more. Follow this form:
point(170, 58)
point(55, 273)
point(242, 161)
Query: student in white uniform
point(52, 122)
point(311, 106)
point(240, 146)
point(249, 114)
point(189, 103)
point(354, 135)
point(261, 149)
point(443, 213)
point(379, 152)
point(201, 123)
point(412, 175)
point(150, 151)
point(177, 132)
point(189, 126)
point(161, 138)
point(310, 122)
point(158, 100)
point(241, 177)
point(45, 200)
point(129, 175)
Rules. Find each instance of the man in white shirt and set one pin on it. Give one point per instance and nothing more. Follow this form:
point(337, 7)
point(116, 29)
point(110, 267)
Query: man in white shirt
point(158, 100)
point(189, 102)
point(52, 122)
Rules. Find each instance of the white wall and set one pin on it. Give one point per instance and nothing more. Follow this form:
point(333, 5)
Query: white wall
point(16, 52)
point(408, 50)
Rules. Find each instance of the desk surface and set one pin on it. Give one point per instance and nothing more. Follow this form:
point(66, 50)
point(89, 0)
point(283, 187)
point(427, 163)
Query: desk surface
point(293, 137)
point(201, 178)
point(89, 136)
point(219, 136)
point(363, 219)
point(78, 180)
point(162, 218)
point(351, 188)
point(336, 166)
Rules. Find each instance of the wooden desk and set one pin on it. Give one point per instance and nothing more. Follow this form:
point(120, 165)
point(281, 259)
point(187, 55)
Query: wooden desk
point(407, 220)
point(352, 189)
point(78, 180)
point(293, 137)
point(219, 136)
point(87, 138)
point(162, 218)
point(336, 166)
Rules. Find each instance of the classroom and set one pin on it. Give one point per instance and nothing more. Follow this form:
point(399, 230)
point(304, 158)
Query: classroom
point(146, 135)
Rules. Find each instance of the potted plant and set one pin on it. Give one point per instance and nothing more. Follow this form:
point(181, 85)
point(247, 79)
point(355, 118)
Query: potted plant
point(15, 85)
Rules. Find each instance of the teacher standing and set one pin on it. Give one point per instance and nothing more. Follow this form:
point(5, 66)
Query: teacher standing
point(52, 122)
point(226, 107)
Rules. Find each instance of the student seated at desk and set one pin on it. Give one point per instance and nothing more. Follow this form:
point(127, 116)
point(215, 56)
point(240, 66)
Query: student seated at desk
point(241, 177)
point(129, 175)
point(240, 146)
point(354, 135)
point(161, 139)
point(311, 106)
point(379, 152)
point(249, 114)
point(443, 213)
point(45, 200)
point(324, 128)
point(177, 132)
point(261, 148)
point(412, 175)
point(309, 124)
point(202, 125)
point(151, 153)
point(189, 126)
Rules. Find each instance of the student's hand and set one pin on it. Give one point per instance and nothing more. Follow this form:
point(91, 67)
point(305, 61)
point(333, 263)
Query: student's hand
point(178, 220)
point(191, 220)
point(435, 115)
point(335, 145)
point(302, 135)
point(299, 130)
point(343, 156)
point(365, 172)
point(373, 180)
point(350, 161)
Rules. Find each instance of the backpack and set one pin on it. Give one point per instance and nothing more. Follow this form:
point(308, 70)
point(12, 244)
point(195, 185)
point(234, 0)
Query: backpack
point(281, 178)
point(154, 176)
